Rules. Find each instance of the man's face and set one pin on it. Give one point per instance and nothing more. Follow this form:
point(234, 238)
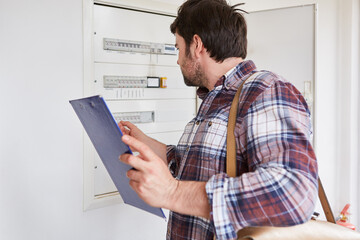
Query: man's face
point(190, 67)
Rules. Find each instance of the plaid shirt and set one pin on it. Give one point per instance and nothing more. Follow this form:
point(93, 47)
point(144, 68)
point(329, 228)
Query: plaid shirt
point(277, 168)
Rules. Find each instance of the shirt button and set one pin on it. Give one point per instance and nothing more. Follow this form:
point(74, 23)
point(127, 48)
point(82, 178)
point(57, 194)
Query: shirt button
point(187, 148)
point(209, 124)
point(197, 122)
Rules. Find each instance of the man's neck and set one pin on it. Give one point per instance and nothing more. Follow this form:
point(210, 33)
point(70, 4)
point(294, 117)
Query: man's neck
point(214, 70)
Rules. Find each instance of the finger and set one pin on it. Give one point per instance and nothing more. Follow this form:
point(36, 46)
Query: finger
point(123, 129)
point(135, 162)
point(134, 175)
point(136, 186)
point(144, 150)
point(128, 124)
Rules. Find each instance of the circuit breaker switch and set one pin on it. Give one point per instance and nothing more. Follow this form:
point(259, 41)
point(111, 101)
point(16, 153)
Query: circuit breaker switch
point(135, 117)
point(125, 82)
point(138, 47)
point(153, 82)
point(163, 82)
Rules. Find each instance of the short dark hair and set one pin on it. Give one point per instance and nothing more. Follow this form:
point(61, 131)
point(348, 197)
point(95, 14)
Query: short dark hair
point(222, 28)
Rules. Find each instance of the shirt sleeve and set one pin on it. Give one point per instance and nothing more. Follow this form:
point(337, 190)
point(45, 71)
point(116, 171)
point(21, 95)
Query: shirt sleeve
point(172, 159)
point(280, 188)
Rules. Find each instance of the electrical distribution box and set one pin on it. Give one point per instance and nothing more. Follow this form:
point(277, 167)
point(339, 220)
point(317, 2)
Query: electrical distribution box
point(135, 70)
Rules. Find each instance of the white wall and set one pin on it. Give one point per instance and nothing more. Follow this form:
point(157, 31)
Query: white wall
point(41, 68)
point(348, 107)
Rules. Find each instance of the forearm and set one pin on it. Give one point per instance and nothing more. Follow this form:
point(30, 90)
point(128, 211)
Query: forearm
point(281, 198)
point(190, 198)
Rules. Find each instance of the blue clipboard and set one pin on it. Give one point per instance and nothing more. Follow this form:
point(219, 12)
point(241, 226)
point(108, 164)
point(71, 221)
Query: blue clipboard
point(105, 135)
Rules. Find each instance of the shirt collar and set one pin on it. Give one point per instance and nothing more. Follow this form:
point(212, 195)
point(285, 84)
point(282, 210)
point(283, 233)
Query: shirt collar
point(238, 73)
point(229, 72)
point(231, 77)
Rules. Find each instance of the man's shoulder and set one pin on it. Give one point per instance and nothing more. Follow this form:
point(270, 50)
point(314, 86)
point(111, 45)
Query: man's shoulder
point(257, 82)
point(264, 86)
point(263, 79)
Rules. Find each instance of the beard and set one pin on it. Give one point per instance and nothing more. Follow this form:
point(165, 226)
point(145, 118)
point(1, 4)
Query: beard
point(195, 76)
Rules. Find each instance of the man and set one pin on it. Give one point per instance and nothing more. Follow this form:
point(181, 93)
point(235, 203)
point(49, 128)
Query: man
point(277, 169)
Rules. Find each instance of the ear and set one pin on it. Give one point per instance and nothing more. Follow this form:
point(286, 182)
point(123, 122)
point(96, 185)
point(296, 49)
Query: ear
point(199, 48)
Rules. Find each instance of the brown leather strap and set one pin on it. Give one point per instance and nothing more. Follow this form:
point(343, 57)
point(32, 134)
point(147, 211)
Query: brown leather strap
point(325, 203)
point(230, 140)
point(231, 153)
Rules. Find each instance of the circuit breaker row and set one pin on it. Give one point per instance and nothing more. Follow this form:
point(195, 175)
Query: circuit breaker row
point(134, 82)
point(138, 47)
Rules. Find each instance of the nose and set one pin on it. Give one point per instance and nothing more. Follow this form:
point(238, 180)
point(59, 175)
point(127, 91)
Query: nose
point(177, 61)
